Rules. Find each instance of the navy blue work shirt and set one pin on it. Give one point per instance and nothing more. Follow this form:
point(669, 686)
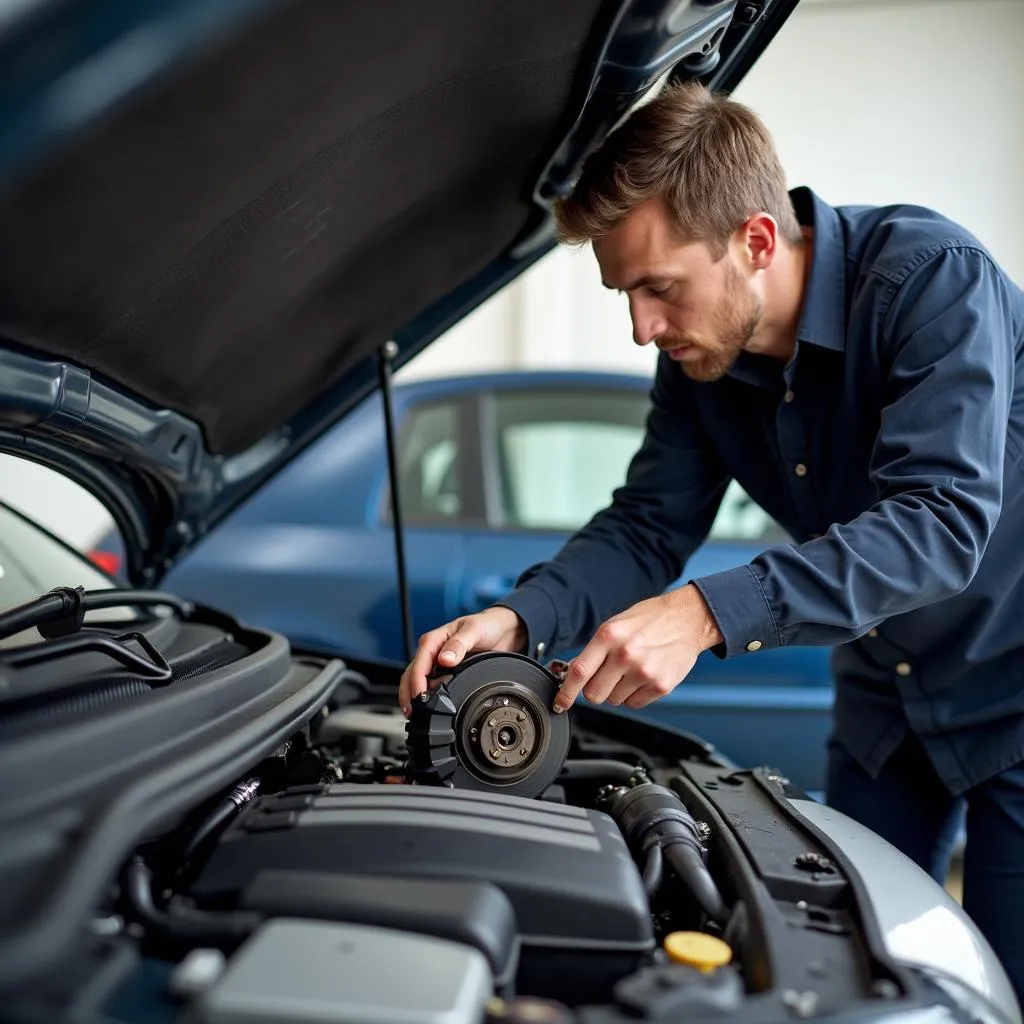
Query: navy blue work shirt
point(891, 449)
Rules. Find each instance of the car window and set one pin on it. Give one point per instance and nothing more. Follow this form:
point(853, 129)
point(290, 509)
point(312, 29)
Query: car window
point(561, 457)
point(562, 454)
point(429, 464)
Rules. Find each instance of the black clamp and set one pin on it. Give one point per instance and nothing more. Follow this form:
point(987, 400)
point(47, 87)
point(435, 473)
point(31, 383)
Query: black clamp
point(71, 617)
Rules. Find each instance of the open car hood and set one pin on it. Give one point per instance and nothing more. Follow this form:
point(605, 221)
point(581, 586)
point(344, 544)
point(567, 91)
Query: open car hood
point(214, 213)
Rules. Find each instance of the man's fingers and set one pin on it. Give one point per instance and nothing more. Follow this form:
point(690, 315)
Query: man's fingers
point(458, 645)
point(643, 696)
point(606, 679)
point(626, 691)
point(446, 647)
point(414, 679)
point(581, 669)
point(648, 694)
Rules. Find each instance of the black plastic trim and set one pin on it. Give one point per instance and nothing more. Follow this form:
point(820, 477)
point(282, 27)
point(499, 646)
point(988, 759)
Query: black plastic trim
point(792, 927)
point(173, 782)
point(867, 922)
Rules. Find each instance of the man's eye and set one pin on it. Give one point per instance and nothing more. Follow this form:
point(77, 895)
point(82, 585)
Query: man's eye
point(658, 289)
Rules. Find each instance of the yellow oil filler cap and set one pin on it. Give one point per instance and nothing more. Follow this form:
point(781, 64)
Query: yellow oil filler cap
point(695, 949)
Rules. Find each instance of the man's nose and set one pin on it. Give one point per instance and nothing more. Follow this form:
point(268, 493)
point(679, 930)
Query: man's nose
point(648, 324)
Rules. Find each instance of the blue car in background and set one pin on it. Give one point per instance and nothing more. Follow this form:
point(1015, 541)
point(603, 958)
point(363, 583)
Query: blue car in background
point(496, 471)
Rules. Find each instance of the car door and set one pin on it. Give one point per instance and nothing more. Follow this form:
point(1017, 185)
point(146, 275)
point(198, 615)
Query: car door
point(553, 458)
point(554, 449)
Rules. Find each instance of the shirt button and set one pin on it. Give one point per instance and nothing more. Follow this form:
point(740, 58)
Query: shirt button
point(800, 469)
point(872, 633)
point(541, 648)
point(754, 645)
point(904, 668)
point(788, 397)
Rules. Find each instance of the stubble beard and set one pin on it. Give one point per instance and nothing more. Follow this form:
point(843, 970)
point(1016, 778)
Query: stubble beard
point(736, 322)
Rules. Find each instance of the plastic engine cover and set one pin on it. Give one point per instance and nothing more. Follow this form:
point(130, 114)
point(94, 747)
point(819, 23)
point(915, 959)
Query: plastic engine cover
point(566, 871)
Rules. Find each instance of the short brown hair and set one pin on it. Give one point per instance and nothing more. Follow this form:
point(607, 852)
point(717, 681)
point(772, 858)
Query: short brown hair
point(709, 158)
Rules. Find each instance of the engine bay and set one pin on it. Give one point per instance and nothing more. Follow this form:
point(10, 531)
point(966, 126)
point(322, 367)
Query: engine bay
point(484, 861)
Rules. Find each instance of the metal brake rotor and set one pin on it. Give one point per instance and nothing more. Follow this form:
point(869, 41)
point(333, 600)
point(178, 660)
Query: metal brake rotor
point(487, 725)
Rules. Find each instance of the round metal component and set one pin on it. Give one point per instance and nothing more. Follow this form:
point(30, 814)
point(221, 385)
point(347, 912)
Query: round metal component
point(507, 720)
point(488, 725)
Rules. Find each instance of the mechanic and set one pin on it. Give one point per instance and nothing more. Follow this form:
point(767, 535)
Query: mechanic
point(860, 372)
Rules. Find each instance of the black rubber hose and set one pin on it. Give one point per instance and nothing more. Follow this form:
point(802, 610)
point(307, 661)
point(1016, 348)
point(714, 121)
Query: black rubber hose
point(219, 817)
point(653, 817)
point(138, 888)
point(181, 922)
point(47, 608)
point(688, 866)
point(101, 600)
point(73, 604)
point(653, 870)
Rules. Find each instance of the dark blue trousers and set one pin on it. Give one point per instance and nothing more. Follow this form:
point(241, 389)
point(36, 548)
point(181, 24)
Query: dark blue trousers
point(909, 806)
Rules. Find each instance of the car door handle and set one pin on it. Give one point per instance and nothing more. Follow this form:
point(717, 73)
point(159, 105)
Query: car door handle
point(489, 589)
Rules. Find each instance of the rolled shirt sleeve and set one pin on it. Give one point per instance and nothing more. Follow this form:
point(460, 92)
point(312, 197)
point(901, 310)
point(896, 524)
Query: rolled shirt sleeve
point(937, 467)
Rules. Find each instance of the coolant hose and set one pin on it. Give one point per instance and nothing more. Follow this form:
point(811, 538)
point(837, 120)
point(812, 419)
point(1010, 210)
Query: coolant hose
point(653, 870)
point(653, 817)
point(688, 865)
point(219, 818)
point(182, 922)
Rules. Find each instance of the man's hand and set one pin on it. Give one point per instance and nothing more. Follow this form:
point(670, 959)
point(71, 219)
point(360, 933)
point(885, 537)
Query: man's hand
point(494, 629)
point(643, 653)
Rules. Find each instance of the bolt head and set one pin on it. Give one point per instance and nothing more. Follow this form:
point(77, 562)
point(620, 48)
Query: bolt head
point(523, 751)
point(504, 700)
point(492, 723)
point(495, 754)
point(520, 717)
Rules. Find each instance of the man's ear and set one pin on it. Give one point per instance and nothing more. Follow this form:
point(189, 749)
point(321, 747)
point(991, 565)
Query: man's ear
point(760, 238)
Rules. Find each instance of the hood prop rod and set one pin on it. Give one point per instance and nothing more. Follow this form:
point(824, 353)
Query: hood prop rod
point(386, 356)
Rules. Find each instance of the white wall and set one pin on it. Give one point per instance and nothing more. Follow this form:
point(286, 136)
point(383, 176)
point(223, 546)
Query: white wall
point(905, 101)
point(870, 101)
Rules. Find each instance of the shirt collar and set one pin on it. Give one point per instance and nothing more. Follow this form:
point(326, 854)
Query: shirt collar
point(823, 319)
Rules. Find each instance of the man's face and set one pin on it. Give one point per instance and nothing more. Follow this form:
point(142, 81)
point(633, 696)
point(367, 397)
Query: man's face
point(701, 312)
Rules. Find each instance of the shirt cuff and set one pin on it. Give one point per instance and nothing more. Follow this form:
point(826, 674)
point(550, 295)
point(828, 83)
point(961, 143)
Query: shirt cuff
point(539, 614)
point(740, 607)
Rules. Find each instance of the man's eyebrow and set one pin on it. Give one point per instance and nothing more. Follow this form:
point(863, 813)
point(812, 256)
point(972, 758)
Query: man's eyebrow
point(640, 282)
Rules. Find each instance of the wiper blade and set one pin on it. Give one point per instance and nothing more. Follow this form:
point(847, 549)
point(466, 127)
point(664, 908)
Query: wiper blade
point(62, 611)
